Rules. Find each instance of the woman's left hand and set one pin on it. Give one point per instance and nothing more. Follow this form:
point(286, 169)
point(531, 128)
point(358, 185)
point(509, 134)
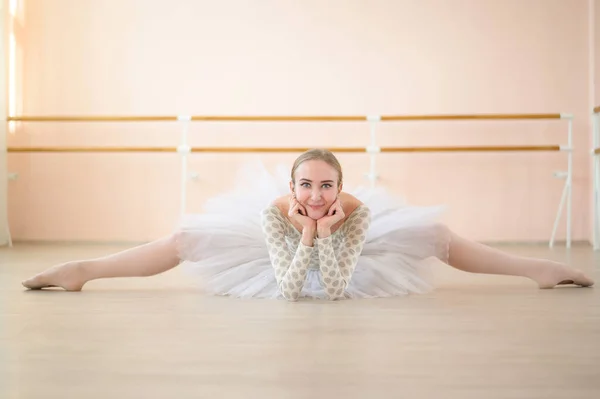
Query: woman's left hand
point(334, 215)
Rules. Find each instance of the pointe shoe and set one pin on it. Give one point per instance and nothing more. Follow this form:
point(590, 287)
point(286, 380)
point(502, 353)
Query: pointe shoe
point(563, 275)
point(67, 276)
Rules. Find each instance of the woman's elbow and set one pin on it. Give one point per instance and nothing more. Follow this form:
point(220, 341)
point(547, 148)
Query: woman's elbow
point(337, 293)
point(290, 296)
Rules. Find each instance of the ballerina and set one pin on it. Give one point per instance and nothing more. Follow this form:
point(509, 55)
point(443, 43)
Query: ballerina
point(314, 241)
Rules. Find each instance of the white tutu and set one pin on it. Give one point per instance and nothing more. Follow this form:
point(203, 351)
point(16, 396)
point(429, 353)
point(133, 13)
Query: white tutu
point(225, 245)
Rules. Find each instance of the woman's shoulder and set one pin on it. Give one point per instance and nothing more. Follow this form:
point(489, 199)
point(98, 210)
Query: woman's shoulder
point(353, 208)
point(350, 203)
point(277, 209)
point(281, 204)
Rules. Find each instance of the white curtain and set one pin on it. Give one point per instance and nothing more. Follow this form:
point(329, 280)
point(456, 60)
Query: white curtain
point(4, 231)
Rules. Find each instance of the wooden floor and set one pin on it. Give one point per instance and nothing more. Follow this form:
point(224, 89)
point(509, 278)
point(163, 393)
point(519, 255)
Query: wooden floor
point(475, 337)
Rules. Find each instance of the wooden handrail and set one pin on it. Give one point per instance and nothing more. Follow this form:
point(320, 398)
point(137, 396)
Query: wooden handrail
point(98, 118)
point(474, 148)
point(275, 118)
point(469, 117)
point(91, 149)
point(284, 149)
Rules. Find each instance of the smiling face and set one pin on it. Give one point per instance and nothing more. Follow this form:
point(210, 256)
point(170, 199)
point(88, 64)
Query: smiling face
point(316, 186)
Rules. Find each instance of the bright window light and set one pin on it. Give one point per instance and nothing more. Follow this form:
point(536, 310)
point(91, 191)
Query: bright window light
point(12, 84)
point(13, 5)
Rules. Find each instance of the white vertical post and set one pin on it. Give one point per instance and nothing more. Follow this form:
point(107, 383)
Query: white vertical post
point(597, 204)
point(594, 210)
point(373, 149)
point(597, 184)
point(184, 149)
point(560, 206)
point(595, 138)
point(10, 243)
point(596, 179)
point(594, 192)
point(6, 60)
point(570, 183)
point(567, 190)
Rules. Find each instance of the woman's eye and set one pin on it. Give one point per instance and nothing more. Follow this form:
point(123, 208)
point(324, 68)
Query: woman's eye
point(326, 185)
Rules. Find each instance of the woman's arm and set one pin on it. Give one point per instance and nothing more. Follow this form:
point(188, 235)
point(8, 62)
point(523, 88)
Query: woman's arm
point(337, 269)
point(290, 271)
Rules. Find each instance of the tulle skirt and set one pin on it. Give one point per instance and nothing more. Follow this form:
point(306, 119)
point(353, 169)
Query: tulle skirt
point(224, 246)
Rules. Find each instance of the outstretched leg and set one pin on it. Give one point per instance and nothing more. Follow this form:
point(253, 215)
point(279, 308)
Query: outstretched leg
point(473, 257)
point(144, 260)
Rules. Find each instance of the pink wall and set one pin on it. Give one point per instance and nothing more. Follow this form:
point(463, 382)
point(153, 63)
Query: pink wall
point(595, 50)
point(281, 57)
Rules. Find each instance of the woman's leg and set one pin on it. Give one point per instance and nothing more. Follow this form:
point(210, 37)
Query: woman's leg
point(145, 260)
point(473, 257)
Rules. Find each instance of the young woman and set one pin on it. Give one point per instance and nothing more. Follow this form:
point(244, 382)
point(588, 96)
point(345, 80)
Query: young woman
point(315, 241)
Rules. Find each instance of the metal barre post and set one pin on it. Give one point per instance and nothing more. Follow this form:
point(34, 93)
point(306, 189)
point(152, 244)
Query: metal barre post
point(594, 191)
point(373, 149)
point(183, 149)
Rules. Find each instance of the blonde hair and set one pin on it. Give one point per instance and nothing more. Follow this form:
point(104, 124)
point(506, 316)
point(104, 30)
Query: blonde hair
point(318, 154)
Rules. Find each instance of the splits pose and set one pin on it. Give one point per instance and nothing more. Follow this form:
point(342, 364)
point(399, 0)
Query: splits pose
point(309, 239)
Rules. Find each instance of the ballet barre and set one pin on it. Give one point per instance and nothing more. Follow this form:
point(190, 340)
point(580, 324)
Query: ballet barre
point(283, 118)
point(184, 149)
point(596, 177)
point(288, 149)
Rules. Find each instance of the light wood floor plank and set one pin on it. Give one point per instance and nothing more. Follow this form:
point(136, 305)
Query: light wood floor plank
point(476, 336)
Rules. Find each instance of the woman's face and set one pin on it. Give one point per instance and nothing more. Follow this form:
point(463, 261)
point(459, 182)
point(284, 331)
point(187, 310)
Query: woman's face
point(316, 187)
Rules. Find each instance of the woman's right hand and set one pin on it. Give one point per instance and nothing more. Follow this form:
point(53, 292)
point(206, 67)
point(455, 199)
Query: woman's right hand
point(298, 213)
